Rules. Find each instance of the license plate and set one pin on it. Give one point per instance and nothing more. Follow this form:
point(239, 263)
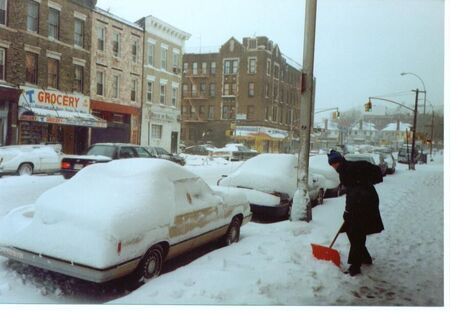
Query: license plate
point(78, 166)
point(10, 252)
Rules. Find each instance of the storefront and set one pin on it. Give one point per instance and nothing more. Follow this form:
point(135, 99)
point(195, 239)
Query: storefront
point(262, 139)
point(9, 96)
point(122, 123)
point(54, 117)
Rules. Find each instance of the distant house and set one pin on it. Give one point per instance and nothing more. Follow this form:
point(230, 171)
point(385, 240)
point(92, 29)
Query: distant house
point(363, 133)
point(394, 134)
point(326, 134)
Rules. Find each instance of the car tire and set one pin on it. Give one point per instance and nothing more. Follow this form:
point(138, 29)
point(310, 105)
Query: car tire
point(25, 169)
point(233, 232)
point(151, 264)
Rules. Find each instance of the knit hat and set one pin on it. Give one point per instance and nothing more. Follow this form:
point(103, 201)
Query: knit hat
point(334, 157)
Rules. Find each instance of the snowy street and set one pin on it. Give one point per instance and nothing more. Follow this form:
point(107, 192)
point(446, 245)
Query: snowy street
point(272, 264)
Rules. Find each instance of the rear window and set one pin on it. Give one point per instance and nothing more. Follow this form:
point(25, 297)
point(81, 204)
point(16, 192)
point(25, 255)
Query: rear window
point(103, 150)
point(143, 153)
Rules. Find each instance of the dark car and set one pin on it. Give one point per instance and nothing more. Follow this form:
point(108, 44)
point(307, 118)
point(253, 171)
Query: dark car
point(162, 153)
point(101, 153)
point(374, 158)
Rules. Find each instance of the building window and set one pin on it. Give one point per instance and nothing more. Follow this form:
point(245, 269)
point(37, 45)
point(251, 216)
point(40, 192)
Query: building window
point(115, 86)
point(275, 92)
point(227, 112)
point(203, 89)
point(252, 65)
point(3, 7)
point(32, 16)
point(276, 71)
point(185, 90)
point(53, 23)
point(162, 94)
point(204, 68)
point(212, 90)
point(2, 63)
point(266, 113)
point(213, 68)
point(274, 113)
point(176, 63)
point(100, 83)
point(164, 58)
point(226, 89)
point(31, 68)
point(233, 89)
point(251, 89)
point(250, 112)
point(194, 90)
point(194, 68)
point(231, 67)
point(211, 112)
point(151, 54)
point(174, 96)
point(78, 78)
point(269, 65)
point(134, 89)
point(149, 91)
point(53, 73)
point(101, 32)
point(267, 90)
point(185, 68)
point(116, 44)
point(134, 51)
point(156, 131)
point(79, 33)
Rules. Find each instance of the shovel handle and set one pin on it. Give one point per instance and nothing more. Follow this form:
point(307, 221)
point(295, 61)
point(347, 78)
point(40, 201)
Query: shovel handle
point(335, 237)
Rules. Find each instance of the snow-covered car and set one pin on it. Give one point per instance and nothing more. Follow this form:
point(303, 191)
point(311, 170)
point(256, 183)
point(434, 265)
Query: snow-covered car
point(389, 159)
point(234, 152)
point(124, 217)
point(159, 152)
point(29, 159)
point(318, 164)
point(101, 153)
point(205, 149)
point(374, 158)
point(270, 181)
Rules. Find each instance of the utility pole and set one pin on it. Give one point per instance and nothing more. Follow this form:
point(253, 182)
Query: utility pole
point(301, 206)
point(412, 164)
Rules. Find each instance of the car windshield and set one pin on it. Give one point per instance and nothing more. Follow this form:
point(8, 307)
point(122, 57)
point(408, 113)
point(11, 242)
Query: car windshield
point(243, 148)
point(103, 150)
point(354, 157)
point(161, 150)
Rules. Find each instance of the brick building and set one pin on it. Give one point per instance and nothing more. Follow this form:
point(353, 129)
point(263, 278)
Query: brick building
point(116, 77)
point(247, 92)
point(45, 56)
point(163, 51)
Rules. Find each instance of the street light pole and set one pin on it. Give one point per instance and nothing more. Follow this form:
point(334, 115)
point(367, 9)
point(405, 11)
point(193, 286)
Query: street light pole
point(413, 147)
point(424, 89)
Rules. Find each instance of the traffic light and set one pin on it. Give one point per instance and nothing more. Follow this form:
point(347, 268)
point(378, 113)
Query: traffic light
point(336, 115)
point(368, 106)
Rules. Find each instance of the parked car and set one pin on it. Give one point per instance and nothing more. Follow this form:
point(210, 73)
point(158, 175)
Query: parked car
point(374, 158)
point(404, 154)
point(125, 217)
point(159, 152)
point(270, 182)
point(30, 159)
point(205, 149)
point(234, 152)
point(318, 164)
point(101, 153)
point(389, 159)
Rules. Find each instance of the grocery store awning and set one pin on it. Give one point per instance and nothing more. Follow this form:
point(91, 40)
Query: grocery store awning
point(62, 117)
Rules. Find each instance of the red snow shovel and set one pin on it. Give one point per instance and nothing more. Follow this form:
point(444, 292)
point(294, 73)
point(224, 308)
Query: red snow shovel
point(327, 253)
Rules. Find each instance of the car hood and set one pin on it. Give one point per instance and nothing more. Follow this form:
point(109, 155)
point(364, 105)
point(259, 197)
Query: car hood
point(99, 158)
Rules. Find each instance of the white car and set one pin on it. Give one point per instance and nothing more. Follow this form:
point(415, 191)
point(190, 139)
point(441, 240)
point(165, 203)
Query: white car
point(270, 181)
point(234, 152)
point(124, 217)
point(319, 165)
point(29, 159)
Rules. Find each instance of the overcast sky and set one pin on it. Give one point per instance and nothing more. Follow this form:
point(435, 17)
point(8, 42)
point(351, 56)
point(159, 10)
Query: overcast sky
point(362, 46)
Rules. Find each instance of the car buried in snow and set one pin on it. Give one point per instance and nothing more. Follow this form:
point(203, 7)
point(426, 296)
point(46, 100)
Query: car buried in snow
point(270, 181)
point(124, 217)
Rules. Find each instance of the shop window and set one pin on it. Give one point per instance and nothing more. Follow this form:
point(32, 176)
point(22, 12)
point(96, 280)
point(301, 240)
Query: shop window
point(78, 79)
point(116, 44)
point(3, 13)
point(31, 67)
point(53, 73)
point(118, 118)
point(101, 32)
point(53, 23)
point(2, 63)
point(32, 16)
point(79, 33)
point(156, 131)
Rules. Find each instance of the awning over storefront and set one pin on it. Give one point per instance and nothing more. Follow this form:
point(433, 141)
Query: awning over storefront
point(270, 134)
point(62, 117)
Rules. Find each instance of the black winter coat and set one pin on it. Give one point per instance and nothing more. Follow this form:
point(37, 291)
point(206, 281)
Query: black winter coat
point(362, 213)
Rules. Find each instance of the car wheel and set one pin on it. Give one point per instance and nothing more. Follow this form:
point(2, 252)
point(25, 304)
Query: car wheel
point(151, 265)
point(320, 197)
point(234, 231)
point(25, 169)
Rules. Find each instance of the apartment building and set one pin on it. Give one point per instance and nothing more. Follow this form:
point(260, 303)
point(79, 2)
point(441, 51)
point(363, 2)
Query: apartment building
point(44, 72)
point(116, 77)
point(163, 50)
point(246, 92)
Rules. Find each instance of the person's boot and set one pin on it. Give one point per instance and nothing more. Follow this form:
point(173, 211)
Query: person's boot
point(367, 261)
point(353, 270)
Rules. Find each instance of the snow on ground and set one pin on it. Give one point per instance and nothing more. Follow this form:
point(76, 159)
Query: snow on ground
point(273, 264)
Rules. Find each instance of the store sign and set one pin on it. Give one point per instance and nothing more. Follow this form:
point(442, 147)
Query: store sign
point(55, 100)
point(272, 132)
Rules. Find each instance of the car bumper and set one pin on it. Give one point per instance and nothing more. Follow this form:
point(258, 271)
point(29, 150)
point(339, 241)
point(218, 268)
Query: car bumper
point(281, 210)
point(69, 268)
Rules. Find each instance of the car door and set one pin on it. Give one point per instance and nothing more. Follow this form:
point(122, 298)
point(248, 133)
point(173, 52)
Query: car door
point(49, 159)
point(126, 152)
